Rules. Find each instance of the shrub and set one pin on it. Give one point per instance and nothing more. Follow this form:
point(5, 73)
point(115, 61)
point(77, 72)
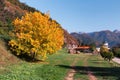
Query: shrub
point(116, 51)
point(106, 54)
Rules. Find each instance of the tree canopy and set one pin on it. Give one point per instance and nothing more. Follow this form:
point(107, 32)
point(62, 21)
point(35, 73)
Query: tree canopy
point(106, 53)
point(36, 34)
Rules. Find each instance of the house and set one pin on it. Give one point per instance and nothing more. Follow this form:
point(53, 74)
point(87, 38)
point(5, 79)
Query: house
point(85, 49)
point(98, 49)
point(106, 45)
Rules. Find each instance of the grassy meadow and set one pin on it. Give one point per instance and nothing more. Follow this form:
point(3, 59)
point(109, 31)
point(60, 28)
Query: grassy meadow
point(57, 66)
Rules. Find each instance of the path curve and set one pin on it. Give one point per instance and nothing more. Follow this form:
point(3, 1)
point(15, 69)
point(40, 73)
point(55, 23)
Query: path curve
point(71, 72)
point(117, 60)
point(89, 72)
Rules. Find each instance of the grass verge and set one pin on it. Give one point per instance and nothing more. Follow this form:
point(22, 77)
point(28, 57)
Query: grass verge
point(57, 66)
point(53, 69)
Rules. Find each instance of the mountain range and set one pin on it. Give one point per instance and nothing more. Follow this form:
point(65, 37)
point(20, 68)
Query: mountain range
point(98, 38)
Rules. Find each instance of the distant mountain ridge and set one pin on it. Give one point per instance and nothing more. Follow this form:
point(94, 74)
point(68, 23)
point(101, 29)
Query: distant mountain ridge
point(116, 31)
point(112, 37)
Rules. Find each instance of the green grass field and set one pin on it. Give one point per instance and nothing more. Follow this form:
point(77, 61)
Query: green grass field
point(57, 66)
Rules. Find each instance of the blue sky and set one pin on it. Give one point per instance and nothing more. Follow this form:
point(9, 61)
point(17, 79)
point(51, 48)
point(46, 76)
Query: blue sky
point(81, 15)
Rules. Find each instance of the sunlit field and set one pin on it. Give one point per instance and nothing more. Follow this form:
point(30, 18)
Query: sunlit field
point(58, 65)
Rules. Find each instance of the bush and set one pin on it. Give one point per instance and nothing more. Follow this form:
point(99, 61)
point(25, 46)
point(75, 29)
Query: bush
point(116, 52)
point(109, 55)
point(106, 54)
point(1, 24)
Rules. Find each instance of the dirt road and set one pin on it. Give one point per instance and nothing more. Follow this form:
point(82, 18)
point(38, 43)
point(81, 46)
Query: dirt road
point(73, 70)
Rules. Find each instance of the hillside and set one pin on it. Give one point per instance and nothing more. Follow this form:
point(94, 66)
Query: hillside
point(113, 38)
point(9, 10)
point(69, 39)
point(5, 56)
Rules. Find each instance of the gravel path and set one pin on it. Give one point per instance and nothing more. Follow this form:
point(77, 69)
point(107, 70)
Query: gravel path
point(117, 60)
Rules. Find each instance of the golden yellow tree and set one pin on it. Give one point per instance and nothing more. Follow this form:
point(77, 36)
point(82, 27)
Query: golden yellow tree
point(36, 34)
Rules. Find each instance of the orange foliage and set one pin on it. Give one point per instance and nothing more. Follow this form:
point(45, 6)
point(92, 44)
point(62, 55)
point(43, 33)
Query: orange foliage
point(36, 33)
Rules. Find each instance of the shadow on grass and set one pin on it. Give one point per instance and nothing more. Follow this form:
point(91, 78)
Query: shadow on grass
point(104, 72)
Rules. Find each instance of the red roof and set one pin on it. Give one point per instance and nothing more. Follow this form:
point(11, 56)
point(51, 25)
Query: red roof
point(83, 47)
